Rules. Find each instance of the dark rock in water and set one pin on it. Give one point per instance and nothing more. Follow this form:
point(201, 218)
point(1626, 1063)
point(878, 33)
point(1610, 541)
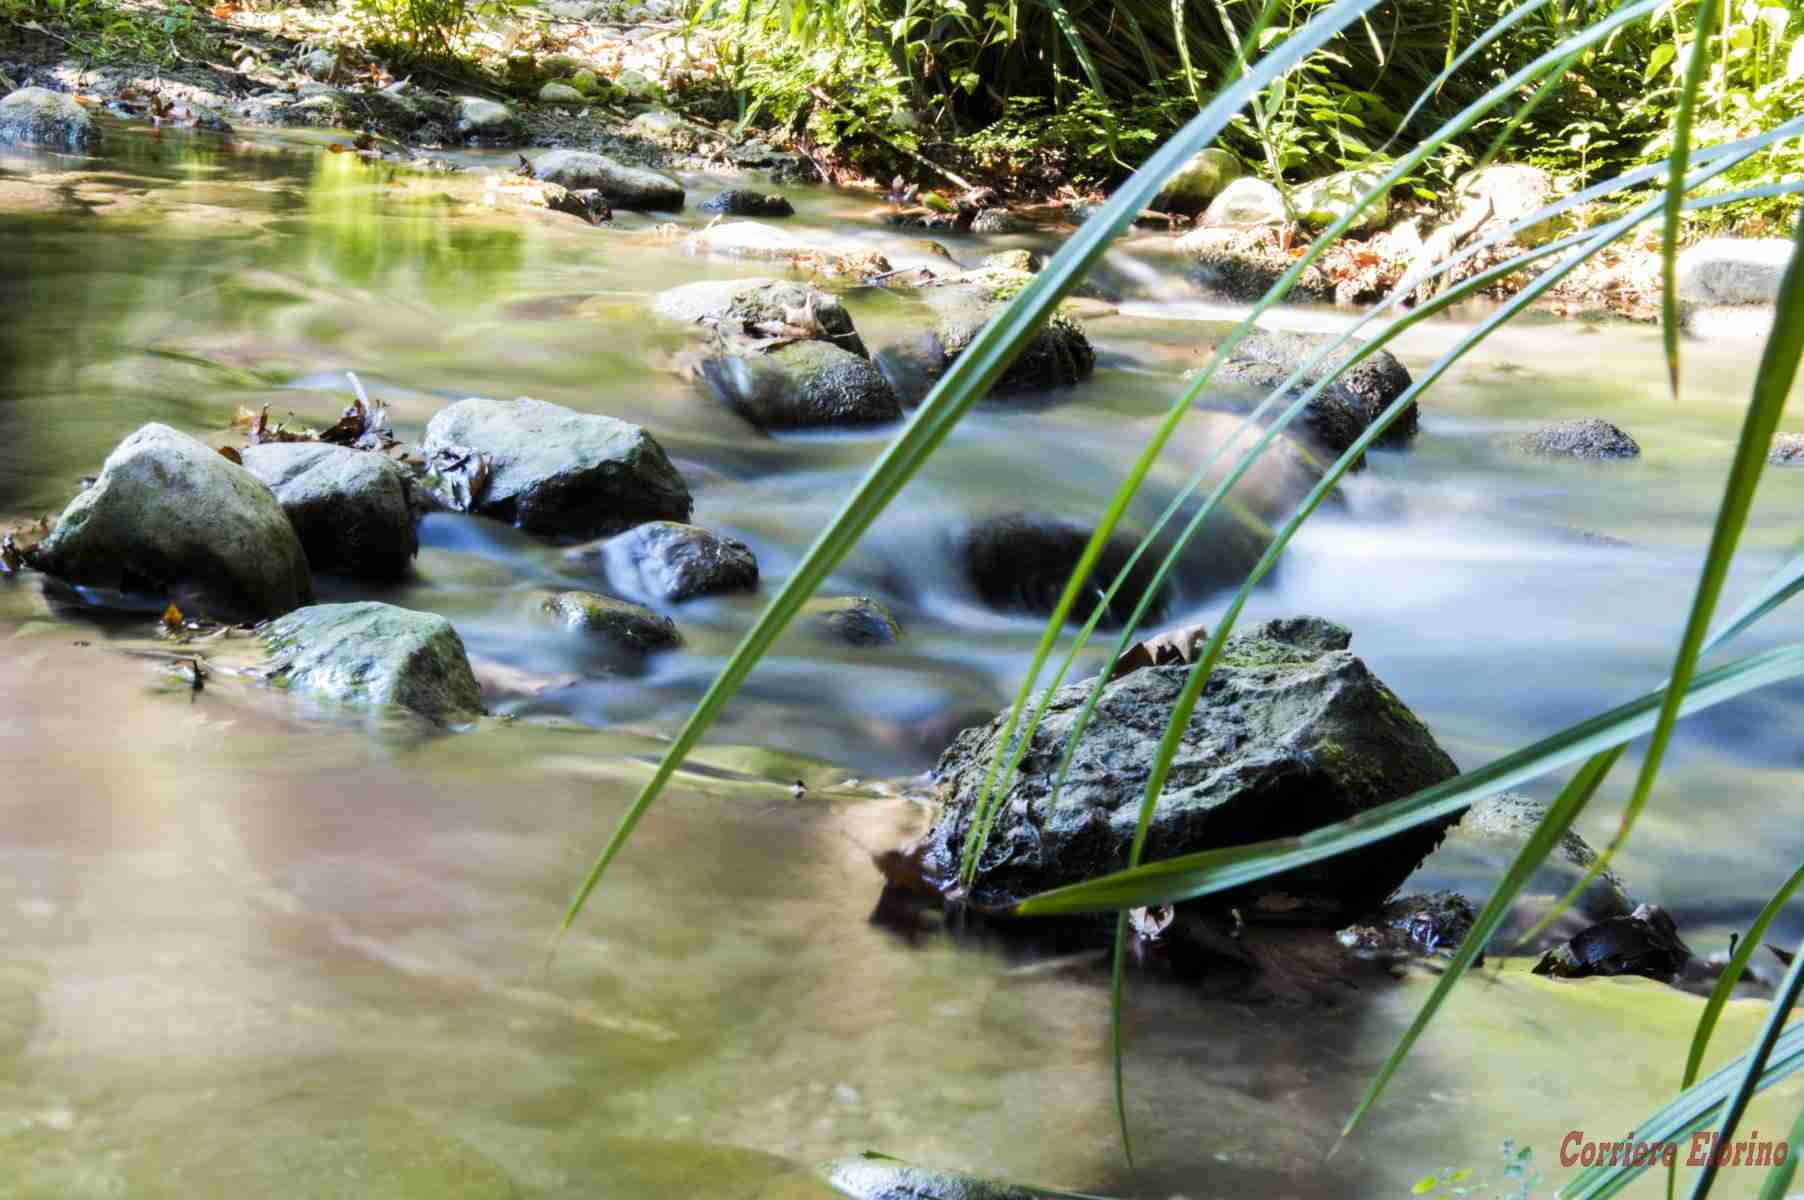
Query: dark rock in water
point(1330, 423)
point(36, 116)
point(802, 384)
point(1020, 562)
point(762, 308)
point(1645, 943)
point(372, 653)
point(1292, 733)
point(550, 470)
point(1057, 356)
point(1346, 408)
point(352, 509)
point(1787, 451)
point(627, 625)
point(1585, 437)
point(741, 202)
point(875, 1177)
point(668, 562)
point(1413, 925)
point(858, 620)
point(171, 518)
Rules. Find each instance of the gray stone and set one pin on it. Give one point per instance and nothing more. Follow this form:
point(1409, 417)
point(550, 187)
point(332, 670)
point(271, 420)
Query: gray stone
point(1198, 181)
point(1232, 266)
point(1504, 193)
point(1350, 404)
point(353, 509)
point(627, 187)
point(638, 86)
point(1058, 355)
point(1293, 732)
point(1009, 260)
point(480, 120)
point(560, 93)
point(857, 620)
point(801, 384)
point(1491, 834)
point(741, 202)
point(36, 116)
point(1330, 423)
point(321, 63)
point(748, 239)
point(630, 626)
point(1245, 203)
point(173, 518)
point(996, 220)
point(888, 1179)
point(559, 473)
point(758, 307)
point(1787, 451)
point(667, 562)
point(1585, 437)
point(370, 653)
point(1733, 271)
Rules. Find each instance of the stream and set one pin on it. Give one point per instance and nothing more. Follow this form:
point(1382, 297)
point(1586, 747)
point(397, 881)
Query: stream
point(249, 948)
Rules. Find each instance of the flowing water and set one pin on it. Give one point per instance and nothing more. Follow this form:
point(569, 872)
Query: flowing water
point(252, 948)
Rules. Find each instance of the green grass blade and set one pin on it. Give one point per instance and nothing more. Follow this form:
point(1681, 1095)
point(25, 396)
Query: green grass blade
point(1181, 35)
point(969, 378)
point(1062, 19)
point(1687, 1112)
point(1676, 164)
point(1745, 1086)
point(1778, 1180)
point(1725, 984)
point(1208, 872)
point(1153, 74)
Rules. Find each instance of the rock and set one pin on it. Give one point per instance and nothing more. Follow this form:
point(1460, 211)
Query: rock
point(1733, 271)
point(1410, 926)
point(1245, 203)
point(560, 66)
point(1321, 202)
point(1508, 192)
point(801, 384)
point(1344, 410)
point(370, 653)
point(321, 63)
point(753, 240)
point(353, 509)
point(627, 187)
point(1198, 181)
point(1585, 437)
point(741, 202)
point(585, 82)
point(560, 93)
point(36, 116)
point(755, 307)
point(1787, 451)
point(556, 472)
point(1059, 354)
point(1293, 732)
point(996, 220)
point(480, 120)
point(1646, 942)
point(628, 625)
point(669, 130)
point(1242, 268)
point(880, 1178)
point(1011, 260)
point(858, 620)
point(171, 518)
point(1329, 424)
point(668, 562)
point(637, 86)
point(1273, 485)
point(1019, 562)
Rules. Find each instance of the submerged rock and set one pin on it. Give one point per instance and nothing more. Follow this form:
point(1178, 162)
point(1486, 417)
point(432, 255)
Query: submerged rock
point(1585, 437)
point(767, 243)
point(1010, 260)
point(742, 202)
point(556, 472)
point(480, 120)
point(352, 509)
point(668, 562)
point(801, 384)
point(629, 625)
point(1020, 562)
point(1644, 943)
point(1293, 732)
point(857, 620)
point(370, 653)
point(36, 116)
point(172, 518)
point(1345, 409)
point(624, 186)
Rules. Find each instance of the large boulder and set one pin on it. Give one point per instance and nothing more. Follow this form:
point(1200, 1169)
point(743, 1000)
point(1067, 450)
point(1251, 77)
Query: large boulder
point(801, 384)
point(353, 509)
point(669, 562)
point(1057, 356)
point(1349, 405)
point(1733, 271)
point(556, 472)
point(1321, 202)
point(1504, 193)
point(1582, 437)
point(171, 518)
point(36, 116)
point(627, 187)
point(1293, 732)
point(1246, 203)
point(1198, 181)
point(370, 653)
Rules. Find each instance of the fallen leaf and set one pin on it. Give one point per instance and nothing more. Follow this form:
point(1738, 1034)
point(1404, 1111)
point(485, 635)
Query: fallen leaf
point(231, 455)
point(172, 618)
point(1161, 650)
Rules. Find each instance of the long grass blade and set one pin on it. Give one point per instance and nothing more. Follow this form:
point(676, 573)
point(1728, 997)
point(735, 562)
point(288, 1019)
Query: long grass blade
point(1778, 1180)
point(1676, 164)
point(969, 378)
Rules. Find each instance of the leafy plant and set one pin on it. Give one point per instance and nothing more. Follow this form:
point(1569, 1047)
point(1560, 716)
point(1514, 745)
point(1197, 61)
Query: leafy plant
point(427, 28)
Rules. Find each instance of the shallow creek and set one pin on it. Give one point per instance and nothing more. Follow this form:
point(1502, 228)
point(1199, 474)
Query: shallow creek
point(248, 948)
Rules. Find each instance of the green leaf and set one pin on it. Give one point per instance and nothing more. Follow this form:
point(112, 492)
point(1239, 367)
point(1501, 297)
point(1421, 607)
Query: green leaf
point(1778, 1180)
point(1677, 159)
point(1657, 61)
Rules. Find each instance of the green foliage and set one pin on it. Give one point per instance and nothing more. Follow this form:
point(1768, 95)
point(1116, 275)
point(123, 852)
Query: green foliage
point(104, 31)
point(427, 28)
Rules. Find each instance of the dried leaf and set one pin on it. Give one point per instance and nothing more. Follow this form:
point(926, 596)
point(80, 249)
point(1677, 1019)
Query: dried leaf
point(172, 619)
point(231, 455)
point(1161, 650)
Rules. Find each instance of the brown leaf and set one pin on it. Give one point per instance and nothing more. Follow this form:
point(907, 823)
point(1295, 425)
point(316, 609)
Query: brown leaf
point(1161, 650)
point(172, 619)
point(231, 455)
